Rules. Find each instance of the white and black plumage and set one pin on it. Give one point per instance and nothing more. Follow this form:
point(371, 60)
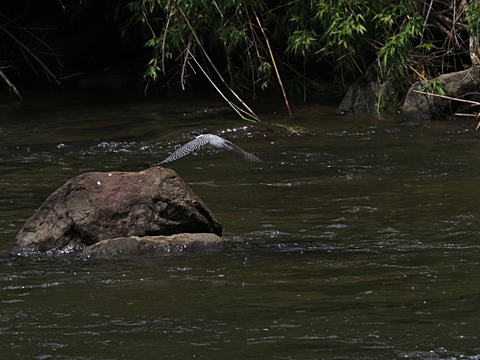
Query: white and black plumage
point(208, 139)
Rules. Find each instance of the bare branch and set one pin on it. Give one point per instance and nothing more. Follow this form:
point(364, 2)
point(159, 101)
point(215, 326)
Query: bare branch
point(32, 54)
point(199, 43)
point(279, 78)
point(448, 97)
point(10, 84)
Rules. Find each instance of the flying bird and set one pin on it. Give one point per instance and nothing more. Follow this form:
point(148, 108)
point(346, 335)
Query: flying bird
point(208, 139)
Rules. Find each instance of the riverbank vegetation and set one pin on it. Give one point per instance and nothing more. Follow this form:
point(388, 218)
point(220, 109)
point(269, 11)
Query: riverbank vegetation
point(303, 49)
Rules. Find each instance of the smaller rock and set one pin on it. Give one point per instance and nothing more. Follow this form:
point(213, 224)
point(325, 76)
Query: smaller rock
point(151, 245)
point(456, 85)
point(362, 96)
point(367, 94)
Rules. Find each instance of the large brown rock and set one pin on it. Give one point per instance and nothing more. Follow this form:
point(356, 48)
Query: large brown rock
point(97, 206)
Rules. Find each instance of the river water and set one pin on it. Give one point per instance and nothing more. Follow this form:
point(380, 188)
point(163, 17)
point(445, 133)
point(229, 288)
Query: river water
point(355, 238)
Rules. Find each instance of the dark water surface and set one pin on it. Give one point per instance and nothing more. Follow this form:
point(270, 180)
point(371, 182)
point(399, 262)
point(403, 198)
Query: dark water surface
point(356, 238)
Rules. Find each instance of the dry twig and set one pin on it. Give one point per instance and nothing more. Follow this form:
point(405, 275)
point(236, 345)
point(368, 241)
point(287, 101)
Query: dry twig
point(199, 43)
point(279, 78)
point(10, 84)
point(32, 54)
point(447, 97)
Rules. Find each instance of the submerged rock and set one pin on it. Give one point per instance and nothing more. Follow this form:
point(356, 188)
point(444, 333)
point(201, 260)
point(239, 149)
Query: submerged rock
point(151, 245)
point(98, 206)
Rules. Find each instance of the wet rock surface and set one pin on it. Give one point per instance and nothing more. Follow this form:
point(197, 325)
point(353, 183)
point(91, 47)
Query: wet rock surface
point(97, 206)
point(151, 245)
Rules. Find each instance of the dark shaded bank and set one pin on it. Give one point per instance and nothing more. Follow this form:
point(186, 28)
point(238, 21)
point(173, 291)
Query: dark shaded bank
point(308, 50)
point(55, 42)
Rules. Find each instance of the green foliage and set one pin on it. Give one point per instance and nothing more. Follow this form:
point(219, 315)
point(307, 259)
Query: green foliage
point(394, 53)
point(426, 47)
point(252, 45)
point(174, 26)
point(358, 31)
point(152, 69)
point(472, 16)
point(434, 87)
point(345, 36)
point(344, 24)
point(301, 42)
point(264, 73)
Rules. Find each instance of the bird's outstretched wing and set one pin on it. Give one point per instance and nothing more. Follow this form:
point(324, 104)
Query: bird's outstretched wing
point(246, 155)
point(186, 149)
point(208, 139)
